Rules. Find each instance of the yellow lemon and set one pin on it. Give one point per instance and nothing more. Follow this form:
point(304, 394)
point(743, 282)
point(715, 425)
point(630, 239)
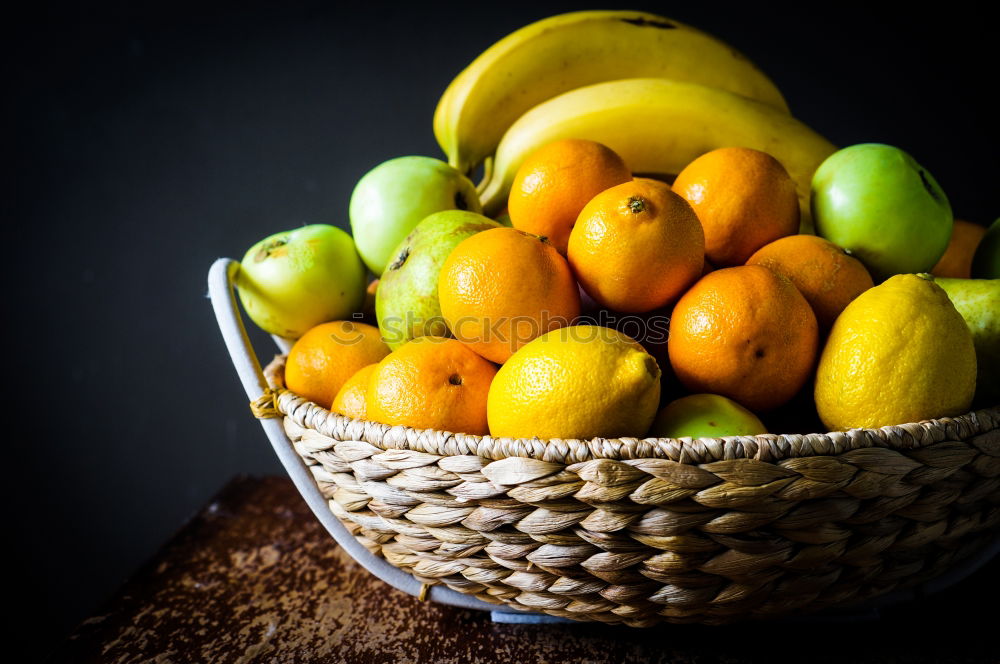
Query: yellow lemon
point(900, 352)
point(581, 381)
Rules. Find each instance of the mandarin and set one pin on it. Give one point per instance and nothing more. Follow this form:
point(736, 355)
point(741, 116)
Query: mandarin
point(501, 288)
point(555, 182)
point(744, 199)
point(431, 383)
point(957, 259)
point(746, 333)
point(637, 246)
point(827, 276)
point(647, 178)
point(327, 355)
point(351, 399)
point(368, 307)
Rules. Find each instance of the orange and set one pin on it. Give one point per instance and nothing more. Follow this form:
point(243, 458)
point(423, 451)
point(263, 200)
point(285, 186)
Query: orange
point(554, 183)
point(746, 333)
point(432, 383)
point(368, 308)
point(744, 199)
point(957, 259)
point(327, 355)
point(646, 178)
point(637, 246)
point(351, 399)
point(501, 288)
point(823, 272)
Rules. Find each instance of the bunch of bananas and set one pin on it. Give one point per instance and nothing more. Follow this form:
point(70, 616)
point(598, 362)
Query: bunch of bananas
point(656, 91)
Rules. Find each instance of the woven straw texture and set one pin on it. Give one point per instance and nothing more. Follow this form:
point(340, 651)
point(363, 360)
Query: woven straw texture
point(645, 531)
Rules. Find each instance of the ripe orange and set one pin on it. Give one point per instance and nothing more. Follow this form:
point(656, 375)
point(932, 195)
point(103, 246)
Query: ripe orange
point(646, 178)
point(432, 383)
point(351, 399)
point(327, 355)
point(501, 288)
point(957, 259)
point(637, 246)
point(744, 199)
point(745, 333)
point(823, 272)
point(554, 183)
point(368, 308)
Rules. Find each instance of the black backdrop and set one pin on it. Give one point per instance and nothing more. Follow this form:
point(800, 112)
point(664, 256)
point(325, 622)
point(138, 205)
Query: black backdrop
point(147, 142)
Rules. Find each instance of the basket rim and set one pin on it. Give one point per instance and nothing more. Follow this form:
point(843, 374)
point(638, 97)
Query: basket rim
point(769, 447)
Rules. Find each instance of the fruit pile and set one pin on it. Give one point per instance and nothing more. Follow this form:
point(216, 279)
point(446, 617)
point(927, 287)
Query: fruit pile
point(656, 248)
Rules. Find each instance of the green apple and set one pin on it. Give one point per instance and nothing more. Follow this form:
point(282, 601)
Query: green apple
point(978, 300)
point(705, 416)
point(986, 261)
point(877, 202)
point(406, 302)
point(392, 198)
point(295, 280)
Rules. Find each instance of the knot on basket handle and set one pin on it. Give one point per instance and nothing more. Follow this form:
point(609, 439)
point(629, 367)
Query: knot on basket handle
point(265, 406)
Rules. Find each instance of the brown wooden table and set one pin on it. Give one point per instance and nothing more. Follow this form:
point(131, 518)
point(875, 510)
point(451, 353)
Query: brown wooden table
point(255, 578)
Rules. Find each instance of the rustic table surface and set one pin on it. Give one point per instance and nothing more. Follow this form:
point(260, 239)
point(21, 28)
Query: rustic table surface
point(255, 578)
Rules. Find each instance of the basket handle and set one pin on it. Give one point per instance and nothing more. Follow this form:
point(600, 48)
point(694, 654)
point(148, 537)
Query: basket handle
point(234, 334)
point(221, 278)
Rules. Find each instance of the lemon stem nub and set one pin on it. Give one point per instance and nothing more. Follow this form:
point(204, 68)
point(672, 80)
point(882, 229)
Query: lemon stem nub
point(636, 204)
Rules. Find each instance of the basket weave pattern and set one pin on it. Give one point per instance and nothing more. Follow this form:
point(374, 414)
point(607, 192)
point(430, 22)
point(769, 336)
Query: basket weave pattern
point(645, 531)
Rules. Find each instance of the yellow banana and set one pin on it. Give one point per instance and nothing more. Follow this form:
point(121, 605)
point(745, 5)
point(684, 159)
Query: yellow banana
point(658, 126)
point(568, 51)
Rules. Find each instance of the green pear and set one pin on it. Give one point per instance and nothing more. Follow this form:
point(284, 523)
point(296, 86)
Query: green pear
point(986, 261)
point(392, 198)
point(978, 300)
point(406, 302)
point(705, 416)
point(291, 281)
point(504, 219)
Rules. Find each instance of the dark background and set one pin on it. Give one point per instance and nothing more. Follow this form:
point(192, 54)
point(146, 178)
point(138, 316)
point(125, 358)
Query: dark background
point(146, 142)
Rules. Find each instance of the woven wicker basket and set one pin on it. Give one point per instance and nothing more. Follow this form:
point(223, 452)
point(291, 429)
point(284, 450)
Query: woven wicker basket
point(644, 531)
